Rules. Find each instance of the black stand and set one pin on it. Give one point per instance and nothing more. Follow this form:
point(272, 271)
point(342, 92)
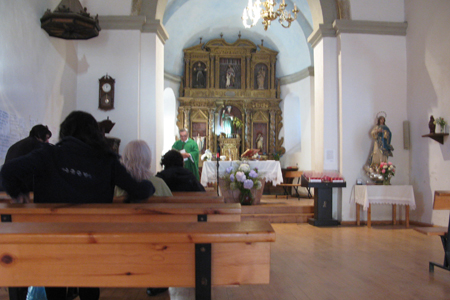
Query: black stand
point(323, 202)
point(218, 159)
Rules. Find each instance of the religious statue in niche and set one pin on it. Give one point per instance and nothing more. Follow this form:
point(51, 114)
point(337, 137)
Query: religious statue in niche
point(230, 73)
point(260, 77)
point(227, 116)
point(260, 137)
point(227, 121)
point(260, 142)
point(199, 135)
point(200, 140)
point(199, 75)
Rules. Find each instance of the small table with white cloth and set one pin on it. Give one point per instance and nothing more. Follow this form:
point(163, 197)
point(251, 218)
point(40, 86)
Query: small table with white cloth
point(365, 195)
point(270, 170)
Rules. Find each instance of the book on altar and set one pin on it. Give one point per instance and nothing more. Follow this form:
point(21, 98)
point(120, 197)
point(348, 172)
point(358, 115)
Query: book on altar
point(250, 152)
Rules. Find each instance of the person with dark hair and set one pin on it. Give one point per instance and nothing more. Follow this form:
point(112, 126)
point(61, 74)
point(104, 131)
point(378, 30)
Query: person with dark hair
point(39, 134)
point(178, 178)
point(81, 168)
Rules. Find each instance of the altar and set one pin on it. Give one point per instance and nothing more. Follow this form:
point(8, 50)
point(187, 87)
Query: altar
point(270, 170)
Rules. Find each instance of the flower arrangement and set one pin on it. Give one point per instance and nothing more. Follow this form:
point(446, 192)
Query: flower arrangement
point(441, 122)
point(207, 156)
point(238, 123)
point(387, 171)
point(243, 179)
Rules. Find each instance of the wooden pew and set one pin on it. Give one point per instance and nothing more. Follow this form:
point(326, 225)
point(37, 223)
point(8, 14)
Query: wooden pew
point(199, 194)
point(178, 199)
point(197, 255)
point(121, 212)
point(441, 202)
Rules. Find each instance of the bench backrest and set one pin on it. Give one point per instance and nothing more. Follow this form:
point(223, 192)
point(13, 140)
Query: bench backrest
point(198, 194)
point(441, 200)
point(114, 255)
point(121, 212)
point(178, 199)
point(293, 174)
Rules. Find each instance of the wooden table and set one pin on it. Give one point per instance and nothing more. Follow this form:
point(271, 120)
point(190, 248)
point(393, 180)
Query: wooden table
point(366, 195)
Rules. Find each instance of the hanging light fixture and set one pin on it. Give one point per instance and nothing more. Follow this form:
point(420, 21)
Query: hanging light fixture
point(70, 21)
point(252, 12)
point(268, 13)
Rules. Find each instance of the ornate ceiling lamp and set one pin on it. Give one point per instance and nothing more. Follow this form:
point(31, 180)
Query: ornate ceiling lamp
point(268, 13)
point(70, 21)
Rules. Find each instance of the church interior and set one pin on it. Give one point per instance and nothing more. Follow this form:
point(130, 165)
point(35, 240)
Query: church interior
point(307, 95)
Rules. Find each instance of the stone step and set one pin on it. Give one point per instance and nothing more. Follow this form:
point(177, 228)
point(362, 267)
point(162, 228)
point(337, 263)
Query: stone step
point(276, 209)
point(279, 218)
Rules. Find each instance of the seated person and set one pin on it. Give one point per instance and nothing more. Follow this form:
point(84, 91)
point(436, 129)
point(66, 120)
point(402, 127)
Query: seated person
point(136, 158)
point(176, 177)
point(39, 134)
point(81, 168)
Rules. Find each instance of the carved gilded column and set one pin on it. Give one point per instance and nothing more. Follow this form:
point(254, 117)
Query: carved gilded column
point(272, 76)
point(211, 72)
point(187, 111)
point(248, 71)
point(248, 129)
point(211, 145)
point(272, 131)
point(188, 73)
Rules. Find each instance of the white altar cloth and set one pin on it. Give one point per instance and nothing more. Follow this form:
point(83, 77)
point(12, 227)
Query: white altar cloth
point(270, 170)
point(383, 194)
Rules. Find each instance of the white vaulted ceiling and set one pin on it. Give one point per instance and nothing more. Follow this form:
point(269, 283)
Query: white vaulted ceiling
point(188, 20)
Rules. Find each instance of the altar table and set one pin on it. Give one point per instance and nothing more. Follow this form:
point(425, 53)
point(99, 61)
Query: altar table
point(365, 195)
point(270, 170)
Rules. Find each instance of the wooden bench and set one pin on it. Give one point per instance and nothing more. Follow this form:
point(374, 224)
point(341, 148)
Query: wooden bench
point(121, 212)
point(177, 199)
point(198, 194)
point(289, 177)
point(441, 202)
point(197, 255)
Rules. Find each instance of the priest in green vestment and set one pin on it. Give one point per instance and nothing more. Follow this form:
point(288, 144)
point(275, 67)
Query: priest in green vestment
point(189, 150)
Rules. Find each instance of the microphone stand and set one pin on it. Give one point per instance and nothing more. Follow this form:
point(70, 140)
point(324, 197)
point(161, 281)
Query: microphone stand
point(218, 157)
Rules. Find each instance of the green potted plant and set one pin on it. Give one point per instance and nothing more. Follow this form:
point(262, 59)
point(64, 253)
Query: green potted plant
point(441, 122)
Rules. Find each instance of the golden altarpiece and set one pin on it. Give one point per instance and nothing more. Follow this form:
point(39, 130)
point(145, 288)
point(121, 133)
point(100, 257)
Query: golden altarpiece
point(229, 98)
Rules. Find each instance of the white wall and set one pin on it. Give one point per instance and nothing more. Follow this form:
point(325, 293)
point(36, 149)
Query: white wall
point(379, 10)
point(296, 130)
point(37, 72)
point(373, 72)
point(116, 53)
point(428, 94)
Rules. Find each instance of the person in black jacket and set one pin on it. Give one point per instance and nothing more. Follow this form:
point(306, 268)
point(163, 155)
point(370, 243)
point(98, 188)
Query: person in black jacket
point(81, 168)
point(175, 176)
point(39, 134)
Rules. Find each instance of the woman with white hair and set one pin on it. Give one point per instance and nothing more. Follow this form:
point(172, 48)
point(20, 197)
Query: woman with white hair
point(136, 158)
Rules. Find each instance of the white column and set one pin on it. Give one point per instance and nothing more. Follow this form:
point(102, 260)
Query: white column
point(326, 109)
point(151, 96)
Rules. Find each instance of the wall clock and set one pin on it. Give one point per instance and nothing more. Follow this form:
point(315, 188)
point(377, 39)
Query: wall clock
point(106, 93)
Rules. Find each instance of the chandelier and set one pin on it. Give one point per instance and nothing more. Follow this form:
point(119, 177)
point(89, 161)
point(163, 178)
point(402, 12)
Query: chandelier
point(268, 13)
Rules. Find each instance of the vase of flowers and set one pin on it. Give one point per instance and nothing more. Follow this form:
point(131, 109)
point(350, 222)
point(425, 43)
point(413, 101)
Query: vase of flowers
point(387, 171)
point(243, 180)
point(207, 156)
point(441, 122)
